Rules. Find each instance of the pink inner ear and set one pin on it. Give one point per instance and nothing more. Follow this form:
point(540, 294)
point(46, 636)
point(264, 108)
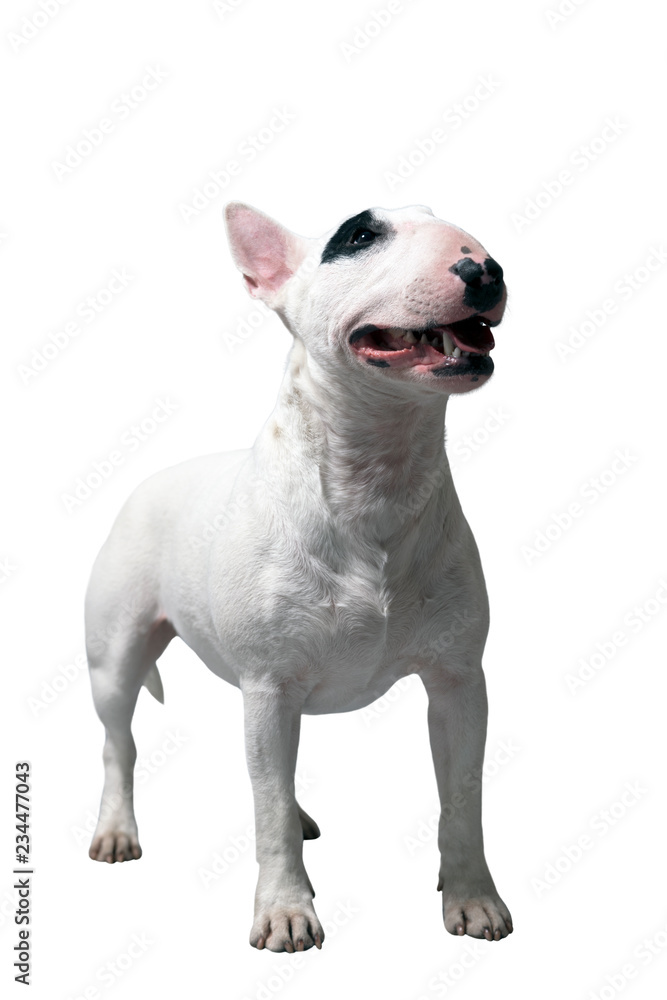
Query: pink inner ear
point(261, 248)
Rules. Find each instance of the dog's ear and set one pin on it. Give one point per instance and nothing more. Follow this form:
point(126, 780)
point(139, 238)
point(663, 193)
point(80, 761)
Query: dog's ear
point(266, 252)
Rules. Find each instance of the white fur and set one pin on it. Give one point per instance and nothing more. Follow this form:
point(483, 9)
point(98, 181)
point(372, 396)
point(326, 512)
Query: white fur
point(315, 569)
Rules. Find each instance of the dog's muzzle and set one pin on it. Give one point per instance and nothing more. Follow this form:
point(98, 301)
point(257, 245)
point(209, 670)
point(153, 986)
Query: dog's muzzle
point(483, 282)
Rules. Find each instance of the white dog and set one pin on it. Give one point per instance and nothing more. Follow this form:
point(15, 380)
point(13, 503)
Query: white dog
point(316, 569)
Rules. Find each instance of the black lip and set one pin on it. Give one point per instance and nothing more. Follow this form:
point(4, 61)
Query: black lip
point(361, 332)
point(474, 364)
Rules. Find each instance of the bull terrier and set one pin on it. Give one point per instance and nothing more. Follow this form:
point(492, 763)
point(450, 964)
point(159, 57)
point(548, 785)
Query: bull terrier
point(332, 558)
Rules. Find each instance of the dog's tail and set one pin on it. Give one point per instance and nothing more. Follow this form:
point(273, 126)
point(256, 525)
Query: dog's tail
point(153, 682)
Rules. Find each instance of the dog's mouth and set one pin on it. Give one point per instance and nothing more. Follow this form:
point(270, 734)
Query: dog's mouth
point(460, 348)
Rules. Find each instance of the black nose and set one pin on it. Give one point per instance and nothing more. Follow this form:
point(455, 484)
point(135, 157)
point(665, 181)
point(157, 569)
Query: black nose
point(494, 270)
point(480, 294)
point(472, 273)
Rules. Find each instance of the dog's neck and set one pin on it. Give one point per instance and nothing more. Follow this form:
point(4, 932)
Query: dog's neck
point(377, 460)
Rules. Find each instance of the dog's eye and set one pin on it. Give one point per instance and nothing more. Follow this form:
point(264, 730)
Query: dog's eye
point(361, 236)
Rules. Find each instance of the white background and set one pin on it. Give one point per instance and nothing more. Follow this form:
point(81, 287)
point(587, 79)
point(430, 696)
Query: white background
point(367, 776)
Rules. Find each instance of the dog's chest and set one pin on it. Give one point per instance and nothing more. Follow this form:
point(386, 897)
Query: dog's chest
point(342, 633)
point(332, 607)
point(343, 616)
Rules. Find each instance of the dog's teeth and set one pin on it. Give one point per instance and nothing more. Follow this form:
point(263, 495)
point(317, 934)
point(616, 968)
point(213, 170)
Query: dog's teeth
point(447, 344)
point(457, 352)
point(410, 337)
point(423, 339)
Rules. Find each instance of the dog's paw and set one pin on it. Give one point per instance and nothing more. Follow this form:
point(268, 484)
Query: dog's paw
point(115, 845)
point(286, 928)
point(483, 915)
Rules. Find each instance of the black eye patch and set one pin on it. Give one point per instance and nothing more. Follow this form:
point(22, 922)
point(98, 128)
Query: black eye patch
point(348, 239)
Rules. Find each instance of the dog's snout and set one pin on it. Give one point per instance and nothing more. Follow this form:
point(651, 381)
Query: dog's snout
point(468, 271)
point(472, 273)
point(483, 282)
point(494, 270)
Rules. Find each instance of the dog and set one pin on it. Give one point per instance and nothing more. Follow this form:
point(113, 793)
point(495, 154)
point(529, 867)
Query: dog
point(331, 559)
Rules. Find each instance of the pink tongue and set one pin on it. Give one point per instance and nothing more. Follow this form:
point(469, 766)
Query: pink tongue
point(478, 339)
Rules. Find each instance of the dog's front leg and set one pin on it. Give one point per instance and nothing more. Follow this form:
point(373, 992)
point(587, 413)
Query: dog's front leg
point(457, 713)
point(284, 916)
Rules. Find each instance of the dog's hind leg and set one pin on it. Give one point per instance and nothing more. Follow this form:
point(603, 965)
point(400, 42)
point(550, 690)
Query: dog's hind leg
point(124, 637)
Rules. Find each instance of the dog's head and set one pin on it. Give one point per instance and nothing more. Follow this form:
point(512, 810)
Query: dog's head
point(397, 294)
